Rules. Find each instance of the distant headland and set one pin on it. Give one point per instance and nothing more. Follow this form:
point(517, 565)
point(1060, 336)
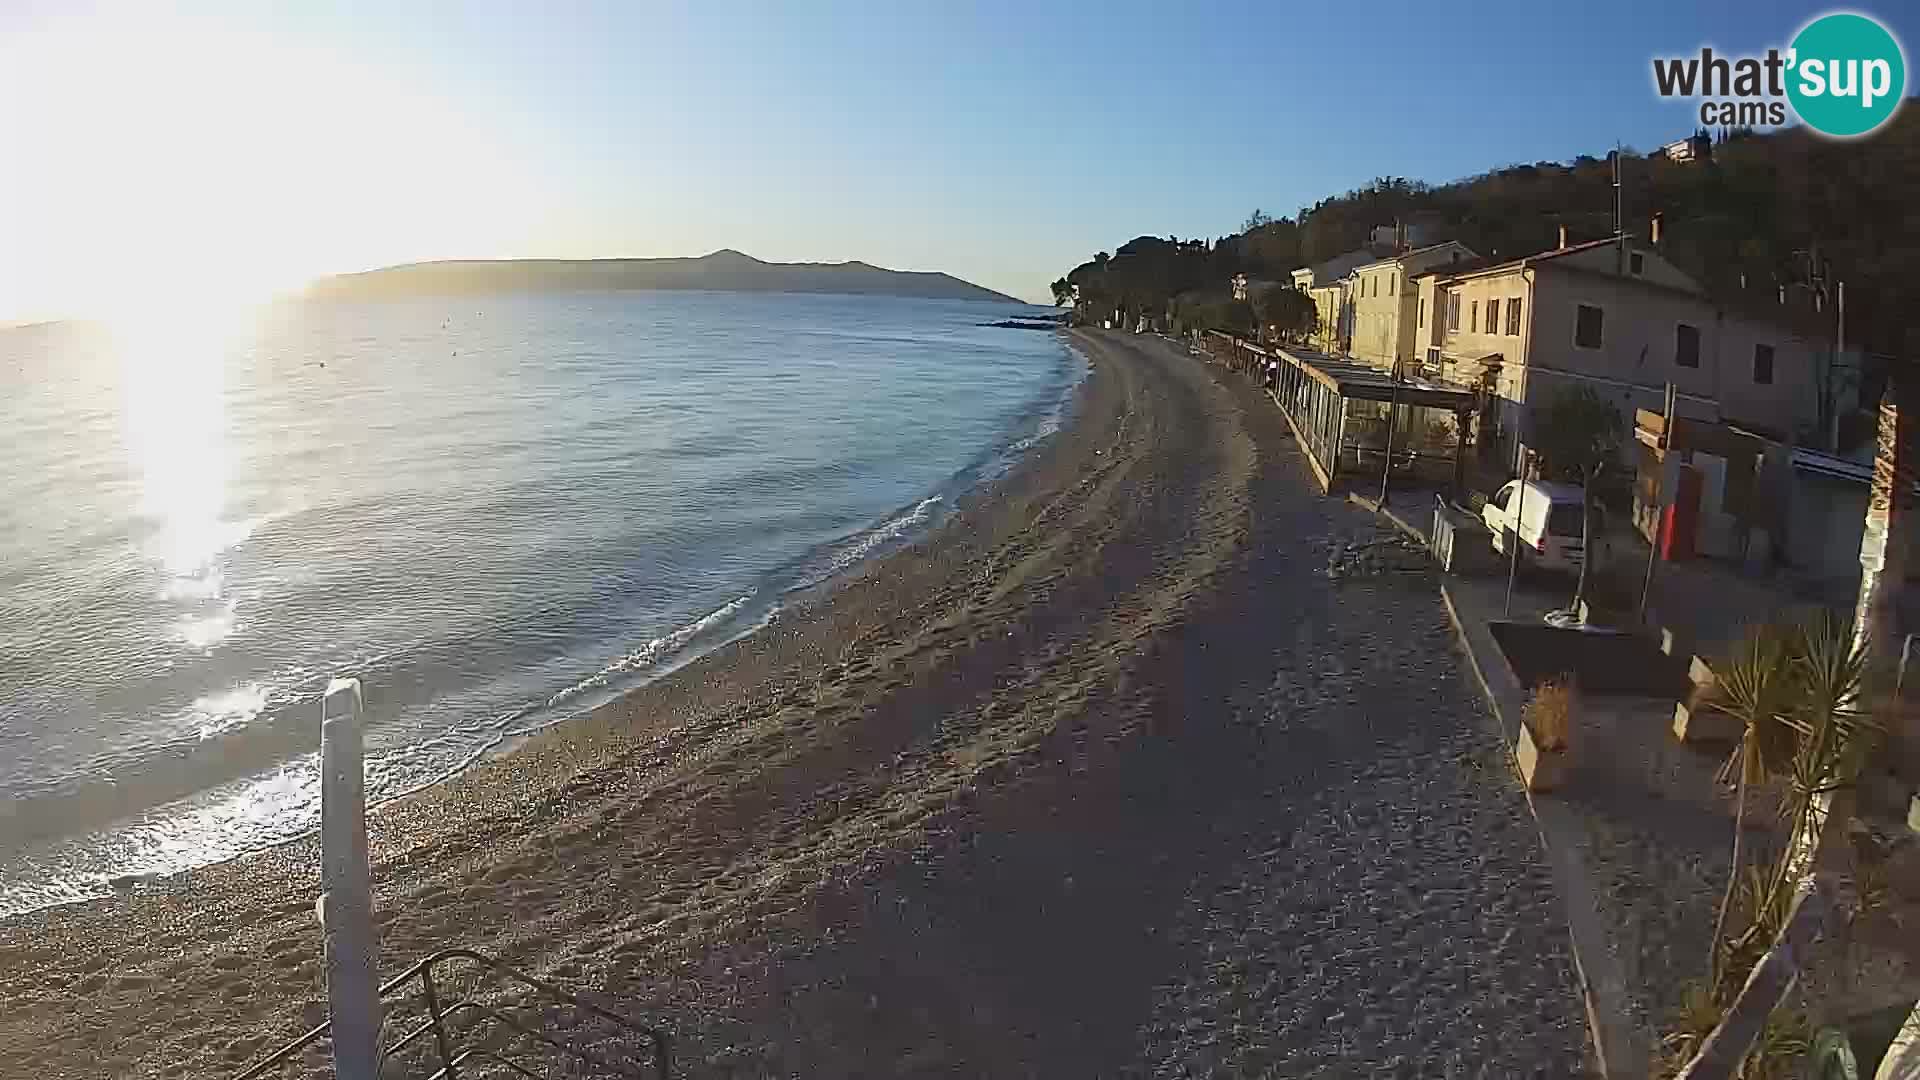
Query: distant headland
point(724, 270)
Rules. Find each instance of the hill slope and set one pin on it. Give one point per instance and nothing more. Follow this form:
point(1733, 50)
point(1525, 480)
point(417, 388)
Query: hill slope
point(1746, 224)
point(724, 270)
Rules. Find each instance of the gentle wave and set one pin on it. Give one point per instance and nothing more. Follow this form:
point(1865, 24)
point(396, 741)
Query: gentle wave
point(652, 652)
point(478, 557)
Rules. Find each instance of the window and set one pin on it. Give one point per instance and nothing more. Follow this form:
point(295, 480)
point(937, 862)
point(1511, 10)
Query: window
point(1390, 283)
point(1637, 263)
point(1565, 519)
point(1453, 311)
point(1500, 500)
point(1420, 312)
point(1493, 316)
point(1513, 317)
point(1763, 364)
point(1686, 345)
point(1589, 325)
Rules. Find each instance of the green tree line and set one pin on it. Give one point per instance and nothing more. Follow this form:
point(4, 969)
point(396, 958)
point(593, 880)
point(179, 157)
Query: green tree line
point(1770, 214)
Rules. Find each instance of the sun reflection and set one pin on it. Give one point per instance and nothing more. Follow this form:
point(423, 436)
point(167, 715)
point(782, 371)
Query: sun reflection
point(173, 377)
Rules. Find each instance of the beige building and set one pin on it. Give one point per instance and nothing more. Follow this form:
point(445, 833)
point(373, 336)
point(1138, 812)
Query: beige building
point(1327, 285)
point(1330, 307)
point(1618, 318)
point(1383, 301)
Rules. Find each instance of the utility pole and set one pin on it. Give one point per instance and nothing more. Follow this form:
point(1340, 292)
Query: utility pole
point(1619, 219)
point(1833, 370)
point(1659, 500)
point(1393, 406)
point(1513, 535)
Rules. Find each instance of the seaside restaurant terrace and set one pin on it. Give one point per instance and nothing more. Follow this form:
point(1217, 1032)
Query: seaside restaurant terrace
point(1338, 410)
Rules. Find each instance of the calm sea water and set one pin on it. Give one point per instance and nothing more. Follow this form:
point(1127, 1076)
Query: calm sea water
point(493, 511)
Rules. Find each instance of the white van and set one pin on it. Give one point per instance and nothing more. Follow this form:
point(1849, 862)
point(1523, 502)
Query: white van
point(1549, 528)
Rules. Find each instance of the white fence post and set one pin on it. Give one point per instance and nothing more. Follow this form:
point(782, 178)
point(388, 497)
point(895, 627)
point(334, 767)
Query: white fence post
point(353, 994)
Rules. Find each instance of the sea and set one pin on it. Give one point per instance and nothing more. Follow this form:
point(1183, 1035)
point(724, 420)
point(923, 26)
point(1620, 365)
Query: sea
point(494, 511)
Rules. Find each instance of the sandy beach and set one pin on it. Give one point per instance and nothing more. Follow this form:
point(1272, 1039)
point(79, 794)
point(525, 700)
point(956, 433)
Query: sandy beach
point(1130, 769)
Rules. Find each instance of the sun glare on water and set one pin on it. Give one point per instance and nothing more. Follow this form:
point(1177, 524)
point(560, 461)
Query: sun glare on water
point(172, 366)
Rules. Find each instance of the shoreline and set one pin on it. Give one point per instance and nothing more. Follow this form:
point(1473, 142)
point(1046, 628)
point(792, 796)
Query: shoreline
point(1049, 413)
point(1105, 777)
point(222, 904)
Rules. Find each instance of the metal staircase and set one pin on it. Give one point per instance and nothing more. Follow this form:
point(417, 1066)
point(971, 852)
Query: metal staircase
point(463, 1015)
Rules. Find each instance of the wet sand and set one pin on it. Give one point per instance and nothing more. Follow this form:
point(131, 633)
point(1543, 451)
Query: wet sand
point(1108, 776)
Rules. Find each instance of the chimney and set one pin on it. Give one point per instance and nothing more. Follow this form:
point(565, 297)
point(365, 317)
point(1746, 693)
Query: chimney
point(1653, 231)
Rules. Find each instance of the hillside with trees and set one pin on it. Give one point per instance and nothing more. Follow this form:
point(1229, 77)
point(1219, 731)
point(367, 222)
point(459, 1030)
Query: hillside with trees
point(1769, 212)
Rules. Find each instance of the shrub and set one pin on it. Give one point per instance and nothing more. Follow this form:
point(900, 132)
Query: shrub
point(1550, 714)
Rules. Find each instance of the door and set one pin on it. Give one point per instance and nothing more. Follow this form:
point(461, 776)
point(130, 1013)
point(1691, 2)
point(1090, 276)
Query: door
point(1498, 514)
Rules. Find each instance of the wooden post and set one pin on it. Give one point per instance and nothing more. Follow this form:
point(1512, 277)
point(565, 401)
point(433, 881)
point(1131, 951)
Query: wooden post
point(353, 992)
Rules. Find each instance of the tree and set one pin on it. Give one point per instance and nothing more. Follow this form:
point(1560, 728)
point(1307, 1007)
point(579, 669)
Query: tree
point(1257, 220)
point(1579, 438)
point(1062, 292)
point(1286, 309)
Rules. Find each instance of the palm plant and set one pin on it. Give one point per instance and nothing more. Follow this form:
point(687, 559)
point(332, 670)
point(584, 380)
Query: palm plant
point(1756, 686)
point(1797, 689)
point(1834, 732)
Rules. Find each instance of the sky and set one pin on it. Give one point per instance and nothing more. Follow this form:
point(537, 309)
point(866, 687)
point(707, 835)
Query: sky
point(231, 151)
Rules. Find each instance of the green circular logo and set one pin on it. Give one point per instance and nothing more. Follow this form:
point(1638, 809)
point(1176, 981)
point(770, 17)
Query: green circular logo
point(1847, 74)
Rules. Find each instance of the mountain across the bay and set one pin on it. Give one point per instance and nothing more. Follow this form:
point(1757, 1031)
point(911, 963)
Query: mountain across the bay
point(725, 270)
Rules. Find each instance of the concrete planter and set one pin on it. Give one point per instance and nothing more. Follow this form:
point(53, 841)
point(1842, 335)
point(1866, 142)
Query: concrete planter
point(1699, 723)
point(1540, 770)
point(1695, 720)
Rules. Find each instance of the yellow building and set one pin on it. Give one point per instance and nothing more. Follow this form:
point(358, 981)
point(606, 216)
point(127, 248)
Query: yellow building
point(1383, 301)
point(1326, 284)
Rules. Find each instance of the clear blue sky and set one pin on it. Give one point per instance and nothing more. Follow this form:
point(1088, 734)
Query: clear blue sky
point(1000, 143)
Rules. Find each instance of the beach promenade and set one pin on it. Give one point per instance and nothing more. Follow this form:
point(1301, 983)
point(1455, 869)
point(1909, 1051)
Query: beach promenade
point(1131, 769)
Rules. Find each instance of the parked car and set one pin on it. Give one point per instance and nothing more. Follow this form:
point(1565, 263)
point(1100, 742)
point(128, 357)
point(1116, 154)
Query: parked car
point(1549, 525)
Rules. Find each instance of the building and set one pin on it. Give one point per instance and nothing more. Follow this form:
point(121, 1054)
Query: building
point(1308, 278)
point(1326, 285)
point(1245, 288)
point(1331, 326)
point(1416, 232)
point(1614, 316)
point(1695, 147)
point(1383, 302)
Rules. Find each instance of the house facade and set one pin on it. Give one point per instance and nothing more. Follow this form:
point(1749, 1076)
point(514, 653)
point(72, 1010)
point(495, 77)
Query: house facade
point(1615, 317)
point(1326, 285)
point(1385, 302)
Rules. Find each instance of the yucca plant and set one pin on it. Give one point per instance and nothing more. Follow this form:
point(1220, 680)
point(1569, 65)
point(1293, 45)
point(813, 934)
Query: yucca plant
point(1757, 686)
point(1834, 733)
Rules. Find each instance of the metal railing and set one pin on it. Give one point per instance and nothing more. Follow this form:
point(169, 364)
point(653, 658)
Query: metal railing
point(445, 1022)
